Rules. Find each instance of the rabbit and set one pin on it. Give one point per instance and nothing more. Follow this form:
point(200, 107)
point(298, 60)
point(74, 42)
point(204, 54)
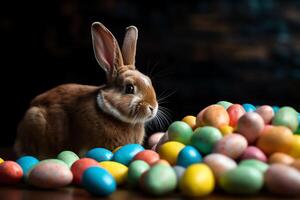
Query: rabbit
point(80, 117)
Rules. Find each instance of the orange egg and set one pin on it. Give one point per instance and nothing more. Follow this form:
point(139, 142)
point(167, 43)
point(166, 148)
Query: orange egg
point(282, 158)
point(190, 120)
point(214, 115)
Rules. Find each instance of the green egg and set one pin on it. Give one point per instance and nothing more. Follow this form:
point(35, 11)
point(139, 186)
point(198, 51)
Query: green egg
point(135, 171)
point(286, 116)
point(67, 157)
point(204, 138)
point(242, 180)
point(180, 131)
point(257, 164)
point(225, 104)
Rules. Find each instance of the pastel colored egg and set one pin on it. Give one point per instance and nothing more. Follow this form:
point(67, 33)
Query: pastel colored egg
point(199, 118)
point(1, 160)
point(188, 155)
point(286, 116)
point(295, 148)
point(170, 150)
point(249, 107)
point(50, 174)
point(116, 149)
point(250, 125)
point(242, 180)
point(154, 138)
point(275, 139)
point(232, 145)
point(283, 179)
point(204, 138)
point(162, 161)
point(126, 153)
point(252, 152)
point(163, 139)
point(69, 157)
point(215, 115)
point(135, 171)
point(257, 164)
point(179, 171)
point(10, 172)
point(219, 164)
point(159, 180)
point(197, 181)
point(79, 166)
point(27, 162)
point(225, 104)
point(98, 181)
point(266, 112)
point(99, 154)
point(235, 111)
point(296, 164)
point(282, 158)
point(275, 108)
point(190, 120)
point(117, 170)
point(148, 156)
point(180, 131)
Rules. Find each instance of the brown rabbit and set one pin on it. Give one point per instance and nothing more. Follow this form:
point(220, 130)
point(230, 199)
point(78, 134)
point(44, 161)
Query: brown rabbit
point(79, 117)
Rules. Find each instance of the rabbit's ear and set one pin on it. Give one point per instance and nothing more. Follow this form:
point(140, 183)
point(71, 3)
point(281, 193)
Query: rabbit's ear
point(129, 45)
point(106, 49)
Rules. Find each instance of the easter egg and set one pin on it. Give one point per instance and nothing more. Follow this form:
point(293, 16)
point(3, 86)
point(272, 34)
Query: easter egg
point(188, 155)
point(226, 129)
point(296, 164)
point(282, 158)
point(257, 164)
point(162, 161)
point(148, 156)
point(159, 180)
point(126, 153)
point(50, 174)
point(242, 180)
point(219, 164)
point(197, 181)
point(252, 152)
point(180, 131)
point(179, 171)
point(190, 120)
point(99, 154)
point(170, 151)
point(266, 112)
point(135, 171)
point(27, 162)
point(232, 145)
point(98, 181)
point(225, 104)
point(295, 148)
point(235, 111)
point(10, 172)
point(163, 139)
point(117, 170)
point(286, 116)
point(275, 108)
point(283, 179)
point(250, 125)
point(215, 115)
point(154, 138)
point(69, 157)
point(275, 139)
point(1, 160)
point(204, 138)
point(79, 166)
point(249, 107)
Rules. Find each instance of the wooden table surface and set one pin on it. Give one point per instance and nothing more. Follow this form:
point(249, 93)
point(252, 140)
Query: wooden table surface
point(26, 192)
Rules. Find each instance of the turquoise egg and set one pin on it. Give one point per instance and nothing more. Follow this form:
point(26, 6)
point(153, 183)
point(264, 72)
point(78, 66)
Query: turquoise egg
point(69, 157)
point(180, 131)
point(275, 108)
point(27, 163)
point(188, 155)
point(286, 116)
point(249, 107)
point(125, 154)
point(135, 171)
point(98, 181)
point(225, 104)
point(99, 154)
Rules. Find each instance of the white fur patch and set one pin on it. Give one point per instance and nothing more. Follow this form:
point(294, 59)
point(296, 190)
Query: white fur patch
point(146, 81)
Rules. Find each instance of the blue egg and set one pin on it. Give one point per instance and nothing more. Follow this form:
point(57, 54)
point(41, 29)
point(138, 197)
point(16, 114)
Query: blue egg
point(188, 155)
point(98, 181)
point(179, 171)
point(99, 154)
point(249, 107)
point(275, 108)
point(126, 153)
point(26, 163)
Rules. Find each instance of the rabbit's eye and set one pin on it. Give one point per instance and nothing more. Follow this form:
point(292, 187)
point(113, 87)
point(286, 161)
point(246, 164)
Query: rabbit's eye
point(129, 89)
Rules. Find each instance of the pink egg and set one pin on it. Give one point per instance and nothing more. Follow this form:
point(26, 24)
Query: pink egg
point(250, 125)
point(266, 112)
point(154, 138)
point(235, 111)
point(232, 145)
point(253, 152)
point(10, 172)
point(162, 140)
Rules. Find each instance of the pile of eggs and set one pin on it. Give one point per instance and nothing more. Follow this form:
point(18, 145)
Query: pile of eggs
point(239, 149)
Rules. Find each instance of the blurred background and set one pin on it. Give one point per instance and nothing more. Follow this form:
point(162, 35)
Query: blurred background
point(196, 52)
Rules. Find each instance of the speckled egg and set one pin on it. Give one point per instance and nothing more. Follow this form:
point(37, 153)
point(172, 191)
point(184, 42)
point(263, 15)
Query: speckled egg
point(257, 164)
point(126, 153)
point(295, 148)
point(148, 156)
point(286, 116)
point(170, 150)
point(99, 154)
point(232, 145)
point(10, 172)
point(266, 112)
point(154, 138)
point(190, 120)
point(27, 162)
point(69, 157)
point(252, 152)
point(180, 131)
point(135, 171)
point(80, 166)
point(235, 111)
point(188, 155)
point(117, 170)
point(282, 158)
point(214, 115)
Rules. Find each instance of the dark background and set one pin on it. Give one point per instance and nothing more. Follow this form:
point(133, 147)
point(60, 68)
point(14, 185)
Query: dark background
point(201, 52)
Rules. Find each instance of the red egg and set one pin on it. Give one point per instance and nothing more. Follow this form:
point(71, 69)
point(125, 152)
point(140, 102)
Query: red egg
point(10, 172)
point(79, 166)
point(253, 152)
point(148, 156)
point(266, 112)
point(235, 111)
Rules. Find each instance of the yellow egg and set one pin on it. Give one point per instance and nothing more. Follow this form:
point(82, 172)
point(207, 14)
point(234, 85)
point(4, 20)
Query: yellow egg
point(116, 149)
point(169, 151)
point(295, 149)
point(197, 181)
point(1, 160)
point(117, 170)
point(190, 120)
point(226, 129)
